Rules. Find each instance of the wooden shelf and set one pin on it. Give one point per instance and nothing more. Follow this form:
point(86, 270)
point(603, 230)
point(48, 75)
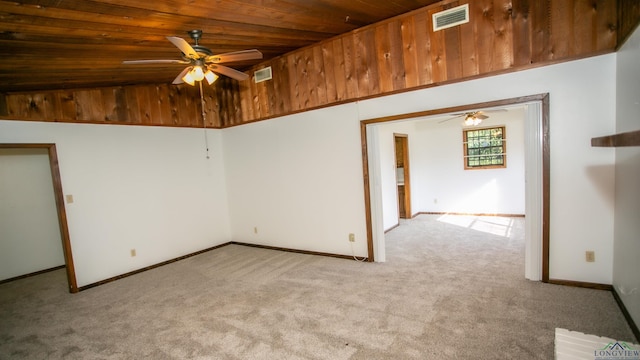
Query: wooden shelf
point(631, 138)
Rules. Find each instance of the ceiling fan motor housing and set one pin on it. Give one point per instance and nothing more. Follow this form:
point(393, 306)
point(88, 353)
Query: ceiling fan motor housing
point(196, 35)
point(202, 50)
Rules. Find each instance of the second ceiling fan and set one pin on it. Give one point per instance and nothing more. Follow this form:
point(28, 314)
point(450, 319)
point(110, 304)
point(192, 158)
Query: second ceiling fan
point(201, 63)
point(472, 118)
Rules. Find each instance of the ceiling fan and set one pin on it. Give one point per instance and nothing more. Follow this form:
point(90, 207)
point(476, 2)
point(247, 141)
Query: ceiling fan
point(201, 62)
point(472, 118)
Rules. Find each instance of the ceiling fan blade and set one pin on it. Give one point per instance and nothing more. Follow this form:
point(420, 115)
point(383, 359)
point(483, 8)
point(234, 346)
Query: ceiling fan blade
point(178, 79)
point(232, 73)
point(481, 116)
point(235, 56)
point(445, 120)
point(134, 62)
point(184, 46)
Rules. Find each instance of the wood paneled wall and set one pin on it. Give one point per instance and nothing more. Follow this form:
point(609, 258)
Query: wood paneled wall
point(156, 105)
point(628, 18)
point(395, 55)
point(404, 53)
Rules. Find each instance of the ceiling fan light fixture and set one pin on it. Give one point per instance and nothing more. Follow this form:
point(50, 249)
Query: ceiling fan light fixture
point(210, 76)
point(468, 120)
point(472, 120)
point(188, 78)
point(197, 73)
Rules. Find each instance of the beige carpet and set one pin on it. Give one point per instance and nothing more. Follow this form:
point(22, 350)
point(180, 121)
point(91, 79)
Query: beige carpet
point(452, 288)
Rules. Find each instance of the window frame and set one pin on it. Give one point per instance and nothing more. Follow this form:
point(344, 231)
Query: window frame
point(465, 148)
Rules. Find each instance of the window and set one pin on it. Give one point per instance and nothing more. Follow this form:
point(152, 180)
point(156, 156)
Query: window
point(484, 148)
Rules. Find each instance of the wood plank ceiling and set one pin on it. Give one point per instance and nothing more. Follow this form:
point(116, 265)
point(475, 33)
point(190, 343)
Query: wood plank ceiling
point(64, 44)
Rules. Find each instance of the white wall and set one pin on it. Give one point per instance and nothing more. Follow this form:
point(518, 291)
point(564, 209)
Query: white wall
point(144, 188)
point(29, 232)
point(582, 105)
point(443, 185)
point(298, 180)
point(626, 267)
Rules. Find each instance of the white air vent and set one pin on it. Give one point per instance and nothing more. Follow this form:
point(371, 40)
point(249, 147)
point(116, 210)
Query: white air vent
point(262, 75)
point(452, 17)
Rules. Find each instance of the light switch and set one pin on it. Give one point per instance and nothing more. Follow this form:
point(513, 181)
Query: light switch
point(69, 199)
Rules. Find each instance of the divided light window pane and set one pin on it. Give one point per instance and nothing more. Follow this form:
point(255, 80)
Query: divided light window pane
point(484, 148)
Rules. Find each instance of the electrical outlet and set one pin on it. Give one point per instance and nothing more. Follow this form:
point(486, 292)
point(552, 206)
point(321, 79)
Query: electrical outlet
point(133, 252)
point(590, 256)
point(352, 237)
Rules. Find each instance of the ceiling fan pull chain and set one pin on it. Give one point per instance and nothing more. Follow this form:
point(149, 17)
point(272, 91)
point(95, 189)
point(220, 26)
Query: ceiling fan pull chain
point(204, 121)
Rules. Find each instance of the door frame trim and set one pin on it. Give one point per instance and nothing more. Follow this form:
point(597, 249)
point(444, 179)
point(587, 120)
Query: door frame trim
point(59, 197)
point(543, 99)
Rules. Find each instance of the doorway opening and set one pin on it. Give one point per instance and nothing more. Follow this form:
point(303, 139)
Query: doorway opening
point(59, 204)
point(536, 178)
point(403, 175)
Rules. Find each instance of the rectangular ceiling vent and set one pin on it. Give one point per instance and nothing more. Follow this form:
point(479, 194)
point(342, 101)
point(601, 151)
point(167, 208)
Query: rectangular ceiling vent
point(262, 75)
point(451, 17)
